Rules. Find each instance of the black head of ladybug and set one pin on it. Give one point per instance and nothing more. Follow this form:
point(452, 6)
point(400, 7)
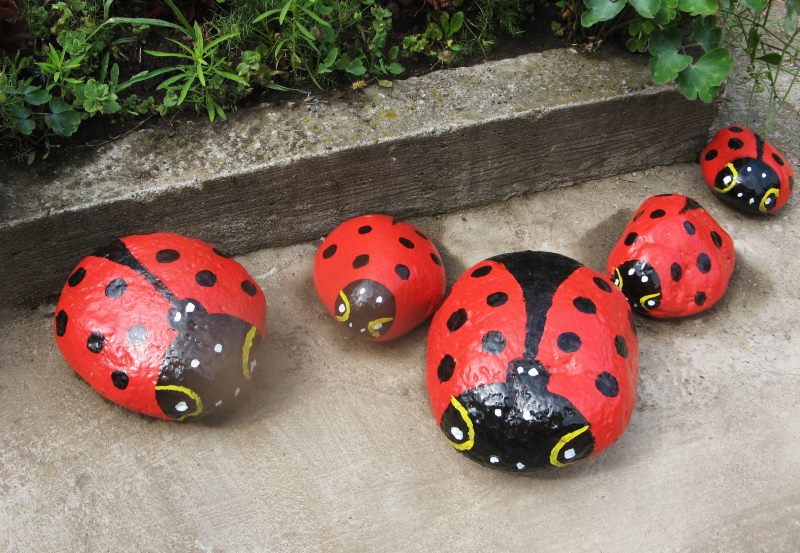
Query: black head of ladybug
point(640, 283)
point(749, 184)
point(207, 362)
point(518, 424)
point(367, 307)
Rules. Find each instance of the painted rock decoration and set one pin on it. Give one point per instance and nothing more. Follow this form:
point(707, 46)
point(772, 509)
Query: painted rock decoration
point(532, 362)
point(673, 259)
point(747, 171)
point(378, 276)
point(162, 324)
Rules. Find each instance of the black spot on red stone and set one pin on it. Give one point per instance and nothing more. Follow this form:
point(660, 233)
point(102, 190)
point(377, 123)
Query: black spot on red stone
point(493, 342)
point(735, 144)
point(711, 154)
point(621, 346)
point(735, 129)
point(716, 238)
point(221, 253)
point(446, 367)
point(482, 271)
point(402, 271)
point(689, 228)
point(205, 278)
point(497, 299)
point(365, 229)
point(360, 261)
point(602, 284)
point(456, 320)
point(700, 298)
point(120, 379)
point(421, 235)
point(249, 288)
point(61, 322)
point(568, 342)
point(657, 213)
point(676, 272)
point(778, 159)
point(606, 383)
point(328, 252)
point(137, 335)
point(76, 277)
point(585, 305)
point(167, 256)
point(116, 288)
point(631, 238)
point(95, 342)
point(703, 263)
point(407, 243)
point(436, 259)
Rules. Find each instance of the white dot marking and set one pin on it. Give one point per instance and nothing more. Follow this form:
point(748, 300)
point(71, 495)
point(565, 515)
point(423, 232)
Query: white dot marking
point(520, 370)
point(494, 460)
point(177, 316)
point(378, 326)
point(527, 415)
point(752, 201)
point(749, 169)
point(727, 179)
point(644, 278)
point(739, 195)
point(218, 403)
point(362, 291)
point(763, 175)
point(236, 393)
point(379, 299)
point(457, 433)
point(189, 307)
point(218, 348)
point(520, 466)
point(651, 303)
point(768, 201)
point(498, 412)
point(342, 308)
point(532, 372)
point(631, 271)
point(195, 363)
point(181, 407)
point(569, 454)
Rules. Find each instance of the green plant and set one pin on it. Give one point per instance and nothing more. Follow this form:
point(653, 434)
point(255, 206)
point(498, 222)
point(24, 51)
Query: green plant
point(438, 40)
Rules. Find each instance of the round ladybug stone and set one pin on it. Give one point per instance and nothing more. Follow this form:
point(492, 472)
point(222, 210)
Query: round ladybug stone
point(747, 171)
point(532, 362)
point(378, 276)
point(673, 259)
point(162, 324)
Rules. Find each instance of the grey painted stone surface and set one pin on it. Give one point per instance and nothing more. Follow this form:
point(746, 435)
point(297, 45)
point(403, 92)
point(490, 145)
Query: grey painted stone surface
point(274, 176)
point(336, 450)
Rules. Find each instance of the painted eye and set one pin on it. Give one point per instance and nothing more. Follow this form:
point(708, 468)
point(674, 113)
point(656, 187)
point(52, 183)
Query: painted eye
point(379, 327)
point(650, 301)
point(726, 179)
point(179, 402)
point(769, 200)
point(458, 427)
point(342, 307)
point(573, 446)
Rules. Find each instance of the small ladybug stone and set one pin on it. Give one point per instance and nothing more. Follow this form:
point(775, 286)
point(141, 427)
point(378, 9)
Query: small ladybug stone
point(747, 171)
point(532, 362)
point(378, 276)
point(673, 259)
point(162, 324)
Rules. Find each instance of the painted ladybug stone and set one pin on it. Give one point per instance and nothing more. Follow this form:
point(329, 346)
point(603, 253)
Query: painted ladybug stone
point(532, 362)
point(673, 259)
point(378, 276)
point(162, 324)
point(747, 171)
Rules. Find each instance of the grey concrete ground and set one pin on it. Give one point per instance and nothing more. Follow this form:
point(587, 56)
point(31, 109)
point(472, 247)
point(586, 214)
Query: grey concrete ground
point(336, 449)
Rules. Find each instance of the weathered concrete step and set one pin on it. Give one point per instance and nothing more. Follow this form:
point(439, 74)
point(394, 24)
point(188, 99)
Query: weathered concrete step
point(277, 175)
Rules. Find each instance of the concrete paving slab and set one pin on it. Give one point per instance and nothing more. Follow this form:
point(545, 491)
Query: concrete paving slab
point(336, 449)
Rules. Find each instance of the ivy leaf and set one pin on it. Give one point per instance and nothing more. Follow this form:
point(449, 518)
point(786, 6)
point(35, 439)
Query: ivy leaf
point(666, 62)
point(703, 79)
point(646, 8)
point(707, 32)
point(36, 96)
point(755, 6)
point(667, 13)
point(698, 7)
point(600, 10)
point(63, 120)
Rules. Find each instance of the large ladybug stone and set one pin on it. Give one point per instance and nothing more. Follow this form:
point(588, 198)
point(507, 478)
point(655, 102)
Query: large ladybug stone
point(532, 362)
point(162, 324)
point(673, 259)
point(747, 171)
point(379, 277)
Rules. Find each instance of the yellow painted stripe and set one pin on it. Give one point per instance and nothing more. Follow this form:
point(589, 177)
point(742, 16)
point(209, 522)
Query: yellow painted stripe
point(346, 314)
point(762, 207)
point(189, 392)
point(371, 325)
point(562, 442)
point(470, 428)
point(248, 344)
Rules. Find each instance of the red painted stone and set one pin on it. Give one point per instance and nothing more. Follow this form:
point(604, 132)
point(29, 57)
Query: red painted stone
point(673, 259)
point(532, 361)
point(378, 276)
point(746, 171)
point(162, 324)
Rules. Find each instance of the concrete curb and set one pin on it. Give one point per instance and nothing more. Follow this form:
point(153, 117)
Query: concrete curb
point(277, 175)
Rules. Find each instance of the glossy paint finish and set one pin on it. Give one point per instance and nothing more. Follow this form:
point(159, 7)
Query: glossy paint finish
point(673, 259)
point(532, 361)
point(746, 171)
point(162, 324)
point(378, 276)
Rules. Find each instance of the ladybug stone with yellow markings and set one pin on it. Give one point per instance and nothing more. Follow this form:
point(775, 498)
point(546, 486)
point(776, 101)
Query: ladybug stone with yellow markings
point(379, 277)
point(162, 324)
point(532, 362)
